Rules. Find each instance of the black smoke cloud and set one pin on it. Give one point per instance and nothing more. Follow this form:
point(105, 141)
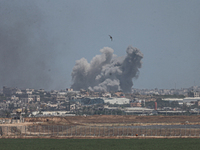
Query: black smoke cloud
point(24, 49)
point(107, 72)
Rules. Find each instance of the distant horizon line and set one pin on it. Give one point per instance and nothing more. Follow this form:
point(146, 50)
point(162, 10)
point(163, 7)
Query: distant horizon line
point(194, 86)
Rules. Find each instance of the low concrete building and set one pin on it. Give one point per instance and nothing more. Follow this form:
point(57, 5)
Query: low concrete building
point(55, 113)
point(69, 89)
point(119, 101)
point(179, 100)
point(28, 98)
point(135, 104)
point(191, 99)
point(138, 110)
point(51, 113)
point(107, 94)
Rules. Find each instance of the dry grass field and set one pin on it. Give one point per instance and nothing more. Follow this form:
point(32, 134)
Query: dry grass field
point(116, 119)
point(104, 126)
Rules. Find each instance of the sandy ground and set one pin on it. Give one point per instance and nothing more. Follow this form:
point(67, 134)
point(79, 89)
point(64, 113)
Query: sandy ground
point(105, 120)
point(19, 124)
point(112, 119)
point(100, 137)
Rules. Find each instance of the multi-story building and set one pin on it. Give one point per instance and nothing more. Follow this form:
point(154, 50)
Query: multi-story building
point(69, 89)
point(14, 98)
point(9, 91)
point(28, 98)
point(193, 94)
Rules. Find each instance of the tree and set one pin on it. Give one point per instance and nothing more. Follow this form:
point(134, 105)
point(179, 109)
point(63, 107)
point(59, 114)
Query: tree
point(143, 103)
point(11, 106)
point(26, 112)
point(7, 114)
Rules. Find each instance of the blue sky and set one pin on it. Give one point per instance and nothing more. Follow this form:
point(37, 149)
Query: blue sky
point(167, 32)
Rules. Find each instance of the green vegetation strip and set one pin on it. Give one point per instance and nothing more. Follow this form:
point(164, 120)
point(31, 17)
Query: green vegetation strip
point(99, 144)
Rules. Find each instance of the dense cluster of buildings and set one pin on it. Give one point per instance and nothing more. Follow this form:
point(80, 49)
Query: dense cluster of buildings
point(182, 91)
point(32, 102)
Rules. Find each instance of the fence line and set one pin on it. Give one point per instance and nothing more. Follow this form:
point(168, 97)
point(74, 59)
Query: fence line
point(97, 131)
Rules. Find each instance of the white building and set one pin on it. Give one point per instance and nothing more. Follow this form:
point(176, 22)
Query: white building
point(138, 110)
point(191, 99)
point(179, 100)
point(19, 92)
point(188, 100)
point(51, 113)
point(119, 101)
point(107, 94)
point(29, 91)
point(54, 113)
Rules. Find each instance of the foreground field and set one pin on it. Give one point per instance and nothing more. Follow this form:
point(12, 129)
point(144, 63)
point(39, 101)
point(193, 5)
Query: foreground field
point(99, 144)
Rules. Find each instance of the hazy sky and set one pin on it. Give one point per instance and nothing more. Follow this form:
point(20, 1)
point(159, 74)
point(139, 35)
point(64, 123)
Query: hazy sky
point(53, 34)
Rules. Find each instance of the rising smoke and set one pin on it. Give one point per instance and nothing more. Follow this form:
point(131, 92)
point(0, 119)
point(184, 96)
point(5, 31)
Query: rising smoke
point(24, 48)
point(107, 72)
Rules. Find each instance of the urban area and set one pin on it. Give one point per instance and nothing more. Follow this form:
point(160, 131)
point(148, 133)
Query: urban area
point(16, 103)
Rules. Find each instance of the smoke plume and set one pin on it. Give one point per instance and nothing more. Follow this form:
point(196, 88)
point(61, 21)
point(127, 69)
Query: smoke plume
point(24, 48)
point(107, 72)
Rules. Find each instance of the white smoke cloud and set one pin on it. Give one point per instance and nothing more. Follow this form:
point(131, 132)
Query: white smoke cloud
point(107, 72)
